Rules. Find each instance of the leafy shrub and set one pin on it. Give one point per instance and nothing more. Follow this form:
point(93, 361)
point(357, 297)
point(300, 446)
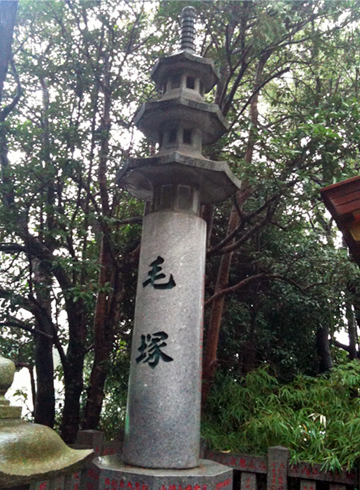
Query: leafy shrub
point(317, 418)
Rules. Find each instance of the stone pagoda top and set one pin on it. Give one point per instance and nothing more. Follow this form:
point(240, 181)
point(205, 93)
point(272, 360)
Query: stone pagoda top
point(181, 122)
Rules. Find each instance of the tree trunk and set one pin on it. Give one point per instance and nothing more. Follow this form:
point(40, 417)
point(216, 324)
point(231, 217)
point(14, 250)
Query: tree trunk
point(7, 190)
point(102, 344)
point(73, 381)
point(108, 305)
point(250, 347)
point(106, 321)
point(351, 331)
point(323, 349)
point(45, 392)
point(73, 374)
point(73, 366)
point(209, 362)
point(7, 22)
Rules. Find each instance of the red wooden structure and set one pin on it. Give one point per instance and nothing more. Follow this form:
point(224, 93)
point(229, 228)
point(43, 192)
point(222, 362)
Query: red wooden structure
point(343, 202)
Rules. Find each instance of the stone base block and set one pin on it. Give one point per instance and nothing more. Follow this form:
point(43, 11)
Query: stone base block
point(109, 473)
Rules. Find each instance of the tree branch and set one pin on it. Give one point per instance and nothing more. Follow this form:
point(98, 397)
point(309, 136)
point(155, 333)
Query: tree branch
point(12, 248)
point(7, 109)
point(22, 326)
point(336, 343)
point(249, 280)
point(266, 219)
point(277, 74)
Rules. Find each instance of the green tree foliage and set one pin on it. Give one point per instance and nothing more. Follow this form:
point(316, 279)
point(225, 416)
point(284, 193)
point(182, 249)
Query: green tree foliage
point(66, 241)
point(297, 139)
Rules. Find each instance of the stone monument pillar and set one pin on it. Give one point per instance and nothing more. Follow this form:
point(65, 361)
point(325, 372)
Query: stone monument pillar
point(163, 415)
point(162, 429)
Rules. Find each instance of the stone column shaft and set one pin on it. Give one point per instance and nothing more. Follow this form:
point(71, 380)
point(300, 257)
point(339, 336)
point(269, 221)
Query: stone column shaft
point(163, 414)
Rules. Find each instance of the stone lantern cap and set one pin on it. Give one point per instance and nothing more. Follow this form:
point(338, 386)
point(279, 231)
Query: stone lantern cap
point(30, 452)
point(154, 116)
point(185, 62)
point(215, 180)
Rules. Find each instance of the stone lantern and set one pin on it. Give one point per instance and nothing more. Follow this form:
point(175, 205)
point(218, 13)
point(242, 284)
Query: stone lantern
point(30, 452)
point(162, 431)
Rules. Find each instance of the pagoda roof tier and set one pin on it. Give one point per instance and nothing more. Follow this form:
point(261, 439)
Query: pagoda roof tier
point(215, 180)
point(154, 116)
point(184, 61)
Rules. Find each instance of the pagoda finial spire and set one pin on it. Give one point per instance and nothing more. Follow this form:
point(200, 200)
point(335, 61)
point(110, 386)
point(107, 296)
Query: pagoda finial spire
point(187, 40)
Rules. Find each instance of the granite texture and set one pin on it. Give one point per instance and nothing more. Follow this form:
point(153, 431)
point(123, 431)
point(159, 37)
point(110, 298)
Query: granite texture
point(40, 485)
point(91, 478)
point(248, 481)
point(75, 481)
point(10, 412)
point(278, 458)
point(337, 486)
point(163, 415)
point(310, 485)
point(91, 438)
point(58, 483)
point(115, 475)
point(242, 462)
point(181, 122)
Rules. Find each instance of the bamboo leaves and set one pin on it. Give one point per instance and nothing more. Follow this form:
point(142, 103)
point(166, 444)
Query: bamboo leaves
point(316, 418)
